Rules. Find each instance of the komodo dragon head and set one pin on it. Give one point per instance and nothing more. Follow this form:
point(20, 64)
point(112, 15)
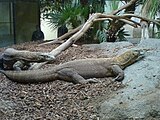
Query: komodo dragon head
point(13, 54)
point(129, 57)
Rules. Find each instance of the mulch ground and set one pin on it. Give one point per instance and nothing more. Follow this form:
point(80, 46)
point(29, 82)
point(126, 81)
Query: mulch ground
point(57, 100)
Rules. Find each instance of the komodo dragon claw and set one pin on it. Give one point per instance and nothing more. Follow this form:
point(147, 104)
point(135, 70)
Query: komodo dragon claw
point(91, 80)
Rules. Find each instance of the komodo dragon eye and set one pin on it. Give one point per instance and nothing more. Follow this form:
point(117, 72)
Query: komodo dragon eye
point(47, 57)
point(136, 54)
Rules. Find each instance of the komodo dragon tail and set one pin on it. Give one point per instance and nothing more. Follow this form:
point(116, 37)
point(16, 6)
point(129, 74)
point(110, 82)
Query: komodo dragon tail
point(36, 76)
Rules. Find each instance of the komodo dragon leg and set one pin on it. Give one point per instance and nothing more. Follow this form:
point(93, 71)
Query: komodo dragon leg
point(71, 75)
point(21, 64)
point(18, 65)
point(118, 72)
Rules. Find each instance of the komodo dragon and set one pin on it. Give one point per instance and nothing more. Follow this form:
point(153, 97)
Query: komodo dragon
point(78, 71)
point(17, 59)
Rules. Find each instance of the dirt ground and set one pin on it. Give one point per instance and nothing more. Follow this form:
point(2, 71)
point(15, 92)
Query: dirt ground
point(57, 100)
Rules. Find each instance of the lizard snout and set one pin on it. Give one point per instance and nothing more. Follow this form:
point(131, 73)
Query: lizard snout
point(48, 57)
point(139, 54)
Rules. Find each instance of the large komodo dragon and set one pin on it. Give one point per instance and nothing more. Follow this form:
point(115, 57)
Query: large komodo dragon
point(78, 71)
point(18, 59)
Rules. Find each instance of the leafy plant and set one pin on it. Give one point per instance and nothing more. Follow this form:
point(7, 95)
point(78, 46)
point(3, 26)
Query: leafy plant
point(68, 14)
point(73, 14)
point(121, 34)
point(150, 8)
point(96, 6)
point(114, 4)
point(101, 35)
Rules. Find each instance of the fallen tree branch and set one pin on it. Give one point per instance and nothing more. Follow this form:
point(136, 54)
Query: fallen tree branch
point(63, 37)
point(71, 40)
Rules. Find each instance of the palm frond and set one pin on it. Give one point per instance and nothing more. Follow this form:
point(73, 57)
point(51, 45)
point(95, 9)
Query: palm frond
point(68, 14)
point(122, 33)
point(150, 8)
point(101, 35)
point(114, 4)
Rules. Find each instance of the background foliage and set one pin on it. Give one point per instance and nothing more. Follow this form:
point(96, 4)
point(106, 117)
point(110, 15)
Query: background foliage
point(73, 14)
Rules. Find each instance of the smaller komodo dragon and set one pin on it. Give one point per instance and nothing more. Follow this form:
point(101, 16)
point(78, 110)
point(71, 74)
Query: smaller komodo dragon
point(78, 71)
point(18, 59)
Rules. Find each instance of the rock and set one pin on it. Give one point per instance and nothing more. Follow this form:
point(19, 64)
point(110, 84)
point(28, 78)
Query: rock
point(140, 99)
point(108, 48)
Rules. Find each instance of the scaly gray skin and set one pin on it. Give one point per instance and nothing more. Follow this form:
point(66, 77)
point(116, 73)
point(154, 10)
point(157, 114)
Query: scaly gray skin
point(17, 59)
point(13, 54)
point(79, 70)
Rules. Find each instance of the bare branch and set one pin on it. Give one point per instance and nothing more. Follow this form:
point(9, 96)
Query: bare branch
point(125, 16)
point(124, 7)
point(102, 19)
point(138, 24)
point(142, 18)
point(128, 22)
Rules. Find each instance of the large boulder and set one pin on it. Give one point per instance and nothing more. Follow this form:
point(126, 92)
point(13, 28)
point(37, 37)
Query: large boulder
point(140, 98)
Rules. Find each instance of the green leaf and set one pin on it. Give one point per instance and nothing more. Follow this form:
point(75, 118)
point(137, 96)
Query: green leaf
point(122, 33)
point(101, 35)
